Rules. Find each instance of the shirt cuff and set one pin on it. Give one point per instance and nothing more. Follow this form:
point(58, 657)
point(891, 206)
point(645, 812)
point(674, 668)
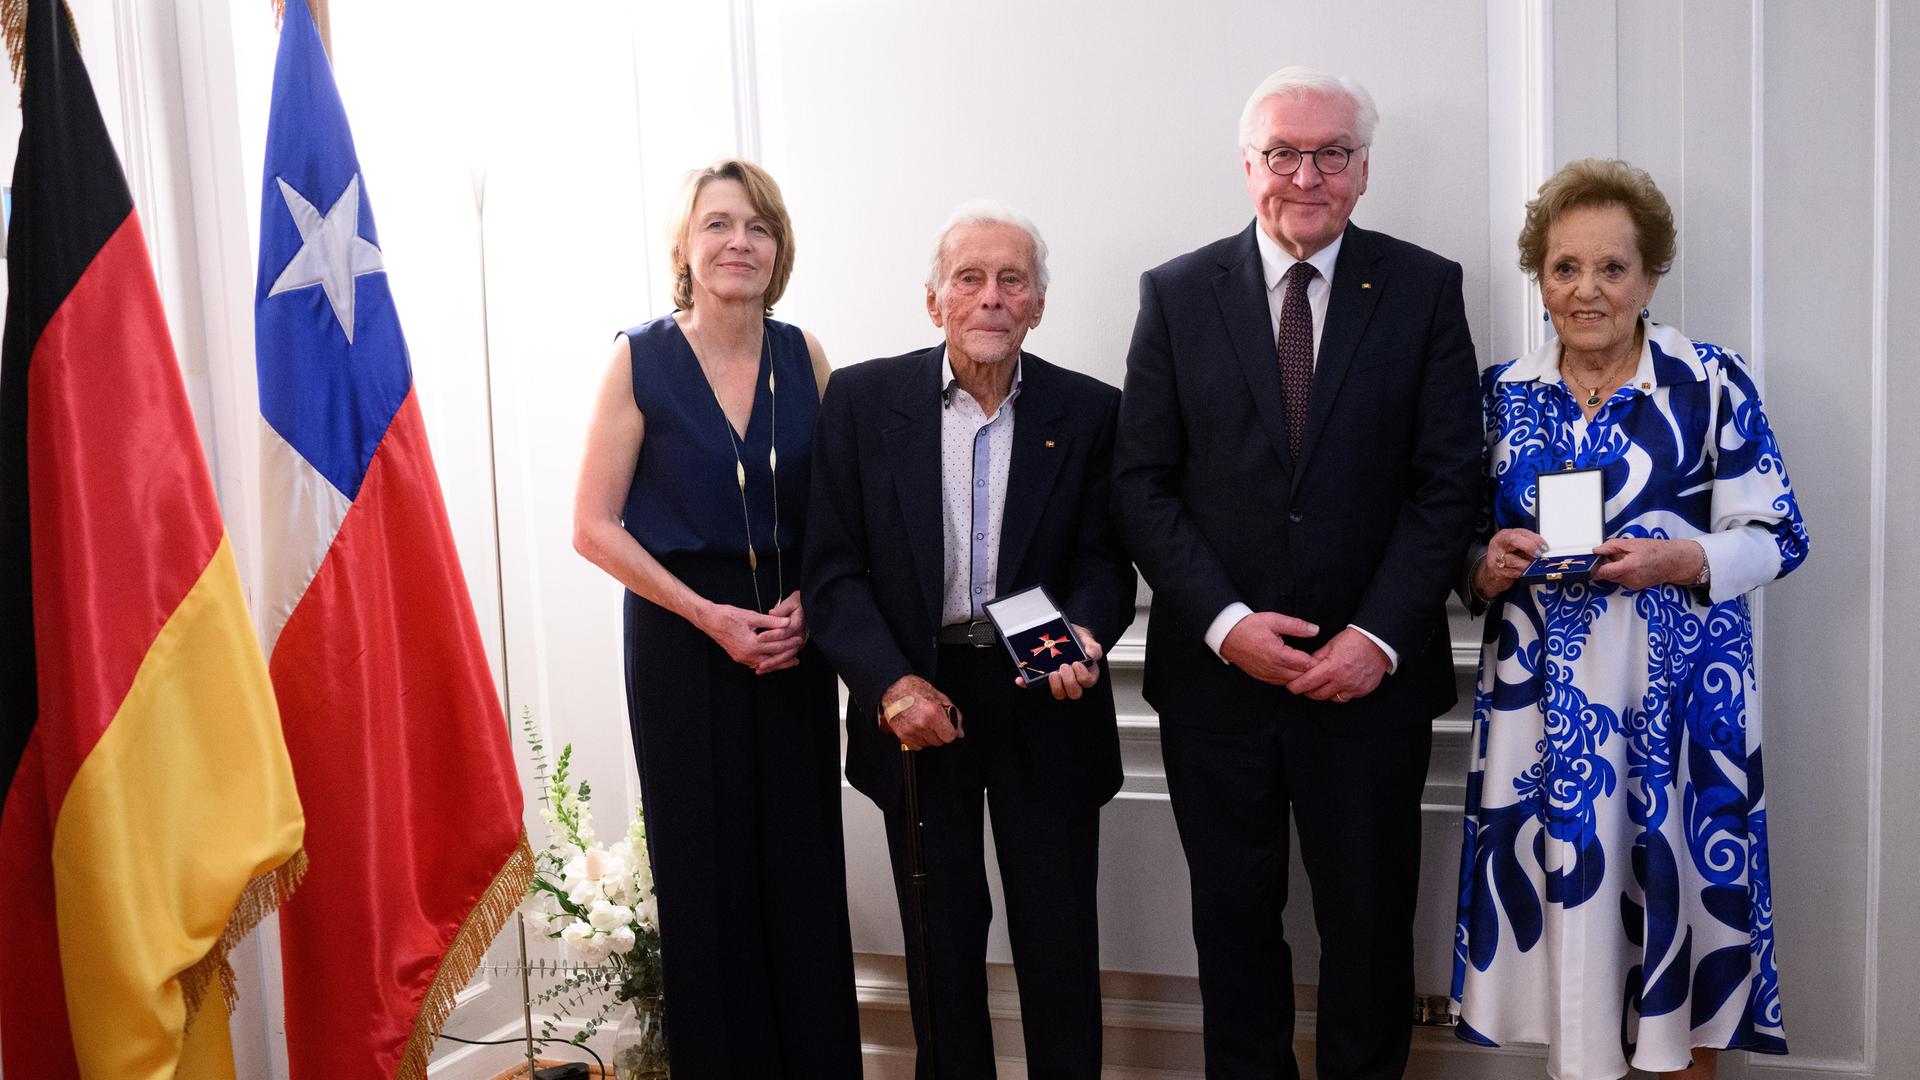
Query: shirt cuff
point(1393, 658)
point(1742, 559)
point(1223, 625)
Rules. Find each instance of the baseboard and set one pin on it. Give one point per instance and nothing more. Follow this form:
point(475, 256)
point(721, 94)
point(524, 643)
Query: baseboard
point(464, 1062)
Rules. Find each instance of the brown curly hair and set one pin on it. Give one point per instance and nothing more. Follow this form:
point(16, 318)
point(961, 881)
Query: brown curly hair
point(1601, 182)
point(765, 197)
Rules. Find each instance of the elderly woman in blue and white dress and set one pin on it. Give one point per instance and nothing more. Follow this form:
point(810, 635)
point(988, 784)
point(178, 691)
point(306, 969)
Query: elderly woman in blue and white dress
point(1614, 897)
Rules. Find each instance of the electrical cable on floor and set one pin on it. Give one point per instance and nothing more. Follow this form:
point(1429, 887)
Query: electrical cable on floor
point(522, 1042)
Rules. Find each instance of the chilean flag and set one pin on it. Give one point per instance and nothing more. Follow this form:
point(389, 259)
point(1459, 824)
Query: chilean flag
point(399, 744)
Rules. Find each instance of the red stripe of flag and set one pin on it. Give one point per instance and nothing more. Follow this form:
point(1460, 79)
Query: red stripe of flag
point(399, 747)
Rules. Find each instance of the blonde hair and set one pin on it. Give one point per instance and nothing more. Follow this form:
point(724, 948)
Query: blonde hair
point(763, 194)
point(1601, 182)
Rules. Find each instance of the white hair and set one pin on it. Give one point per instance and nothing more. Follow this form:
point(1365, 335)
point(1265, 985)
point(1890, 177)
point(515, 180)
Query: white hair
point(986, 212)
point(1296, 80)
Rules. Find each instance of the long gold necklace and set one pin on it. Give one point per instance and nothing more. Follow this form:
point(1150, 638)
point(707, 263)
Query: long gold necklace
point(740, 465)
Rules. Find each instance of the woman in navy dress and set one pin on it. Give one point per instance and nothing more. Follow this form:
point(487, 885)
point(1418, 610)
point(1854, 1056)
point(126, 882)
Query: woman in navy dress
point(693, 495)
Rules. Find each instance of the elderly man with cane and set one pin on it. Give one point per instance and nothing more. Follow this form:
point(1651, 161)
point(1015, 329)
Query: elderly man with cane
point(942, 480)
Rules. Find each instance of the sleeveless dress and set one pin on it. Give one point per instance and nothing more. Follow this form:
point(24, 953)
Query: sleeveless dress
point(1614, 894)
point(739, 773)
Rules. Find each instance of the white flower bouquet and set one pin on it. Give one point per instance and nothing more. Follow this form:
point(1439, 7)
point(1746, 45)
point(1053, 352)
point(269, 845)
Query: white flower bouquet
point(596, 901)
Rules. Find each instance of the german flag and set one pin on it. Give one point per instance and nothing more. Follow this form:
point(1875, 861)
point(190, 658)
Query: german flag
point(148, 815)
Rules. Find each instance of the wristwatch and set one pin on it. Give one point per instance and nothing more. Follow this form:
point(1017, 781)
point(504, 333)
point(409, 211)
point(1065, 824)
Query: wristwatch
point(1706, 568)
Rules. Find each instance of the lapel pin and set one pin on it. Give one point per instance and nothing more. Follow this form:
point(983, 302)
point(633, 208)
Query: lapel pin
point(1049, 444)
point(1366, 284)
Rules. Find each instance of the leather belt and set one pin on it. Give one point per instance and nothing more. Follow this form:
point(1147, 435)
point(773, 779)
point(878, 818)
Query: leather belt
point(979, 633)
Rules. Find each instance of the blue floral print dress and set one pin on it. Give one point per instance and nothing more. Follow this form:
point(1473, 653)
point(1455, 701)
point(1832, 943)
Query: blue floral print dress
point(1614, 895)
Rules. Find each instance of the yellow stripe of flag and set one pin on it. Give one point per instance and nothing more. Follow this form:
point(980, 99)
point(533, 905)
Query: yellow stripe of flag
point(182, 829)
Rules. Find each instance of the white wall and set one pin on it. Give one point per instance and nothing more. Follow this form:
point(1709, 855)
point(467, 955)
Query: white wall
point(522, 168)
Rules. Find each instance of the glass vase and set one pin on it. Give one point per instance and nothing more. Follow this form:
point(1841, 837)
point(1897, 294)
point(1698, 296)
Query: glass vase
point(640, 1046)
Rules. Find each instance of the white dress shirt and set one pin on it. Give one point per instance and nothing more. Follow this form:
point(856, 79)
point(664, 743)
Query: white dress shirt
point(1274, 263)
point(975, 450)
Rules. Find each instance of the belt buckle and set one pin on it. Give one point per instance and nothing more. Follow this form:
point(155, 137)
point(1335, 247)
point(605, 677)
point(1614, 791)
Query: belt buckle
point(980, 634)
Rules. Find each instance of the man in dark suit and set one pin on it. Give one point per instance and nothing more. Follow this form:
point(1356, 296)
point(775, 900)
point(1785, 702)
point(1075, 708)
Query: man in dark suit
point(942, 479)
point(1298, 454)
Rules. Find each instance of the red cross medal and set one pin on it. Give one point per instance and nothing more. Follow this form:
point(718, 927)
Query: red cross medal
point(1049, 644)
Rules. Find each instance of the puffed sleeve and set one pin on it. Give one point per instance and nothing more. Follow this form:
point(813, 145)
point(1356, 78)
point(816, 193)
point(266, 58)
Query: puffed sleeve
point(1758, 534)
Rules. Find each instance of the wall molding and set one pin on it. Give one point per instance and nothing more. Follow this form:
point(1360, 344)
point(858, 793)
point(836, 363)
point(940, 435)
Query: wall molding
point(137, 158)
point(746, 82)
point(1825, 1066)
point(1520, 156)
point(1877, 509)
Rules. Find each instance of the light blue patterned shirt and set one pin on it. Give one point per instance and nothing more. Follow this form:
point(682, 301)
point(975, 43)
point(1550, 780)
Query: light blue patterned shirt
point(975, 450)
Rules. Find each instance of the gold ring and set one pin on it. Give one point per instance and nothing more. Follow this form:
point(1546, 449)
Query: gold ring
point(1341, 697)
point(1502, 563)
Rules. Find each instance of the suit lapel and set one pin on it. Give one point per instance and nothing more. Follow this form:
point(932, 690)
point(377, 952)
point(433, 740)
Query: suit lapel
point(912, 436)
point(1038, 445)
point(1241, 290)
point(1357, 285)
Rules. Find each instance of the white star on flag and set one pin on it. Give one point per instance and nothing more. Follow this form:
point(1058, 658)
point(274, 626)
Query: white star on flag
point(332, 251)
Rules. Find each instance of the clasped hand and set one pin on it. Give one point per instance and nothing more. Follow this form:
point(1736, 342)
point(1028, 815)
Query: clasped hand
point(1348, 666)
point(765, 643)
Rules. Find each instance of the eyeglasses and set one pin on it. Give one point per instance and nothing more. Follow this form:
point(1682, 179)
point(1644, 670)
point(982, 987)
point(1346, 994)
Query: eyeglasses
point(1327, 160)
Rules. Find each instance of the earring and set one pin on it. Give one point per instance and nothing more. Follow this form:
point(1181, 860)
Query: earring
point(1645, 313)
point(1544, 317)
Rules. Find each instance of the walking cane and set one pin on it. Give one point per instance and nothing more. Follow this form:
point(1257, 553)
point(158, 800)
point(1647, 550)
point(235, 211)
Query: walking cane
point(917, 880)
point(917, 891)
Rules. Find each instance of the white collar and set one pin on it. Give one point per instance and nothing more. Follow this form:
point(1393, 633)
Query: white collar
point(1667, 356)
point(1275, 262)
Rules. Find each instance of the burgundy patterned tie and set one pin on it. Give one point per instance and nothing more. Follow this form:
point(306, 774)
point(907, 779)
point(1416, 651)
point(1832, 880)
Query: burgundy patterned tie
point(1296, 352)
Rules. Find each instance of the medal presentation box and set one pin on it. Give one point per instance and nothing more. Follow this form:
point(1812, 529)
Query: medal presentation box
point(1036, 634)
point(1571, 510)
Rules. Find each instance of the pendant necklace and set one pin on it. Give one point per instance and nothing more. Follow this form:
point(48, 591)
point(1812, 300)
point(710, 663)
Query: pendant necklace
point(740, 465)
point(1593, 392)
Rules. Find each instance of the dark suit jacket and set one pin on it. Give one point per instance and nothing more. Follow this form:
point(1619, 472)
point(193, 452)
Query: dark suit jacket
point(875, 542)
point(1368, 527)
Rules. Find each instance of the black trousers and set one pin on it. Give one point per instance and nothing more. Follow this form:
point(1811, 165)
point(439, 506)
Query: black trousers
point(740, 779)
point(1049, 860)
point(1355, 801)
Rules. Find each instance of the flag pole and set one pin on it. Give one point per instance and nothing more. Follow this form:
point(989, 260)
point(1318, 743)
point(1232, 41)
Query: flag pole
point(479, 177)
point(526, 989)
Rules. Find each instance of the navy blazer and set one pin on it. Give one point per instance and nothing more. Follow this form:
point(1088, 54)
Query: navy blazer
point(874, 574)
point(1370, 524)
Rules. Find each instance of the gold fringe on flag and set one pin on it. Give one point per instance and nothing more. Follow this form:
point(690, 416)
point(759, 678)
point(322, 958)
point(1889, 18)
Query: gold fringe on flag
point(464, 954)
point(318, 9)
point(262, 896)
point(13, 24)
